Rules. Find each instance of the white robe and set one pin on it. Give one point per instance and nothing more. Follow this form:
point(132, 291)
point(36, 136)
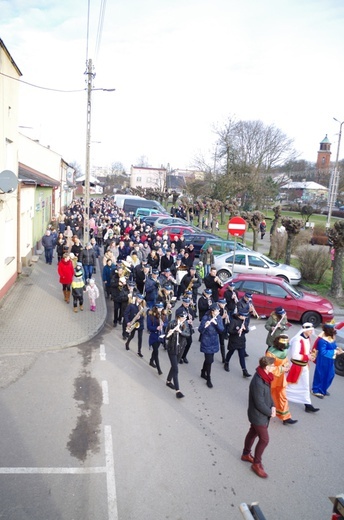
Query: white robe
point(299, 392)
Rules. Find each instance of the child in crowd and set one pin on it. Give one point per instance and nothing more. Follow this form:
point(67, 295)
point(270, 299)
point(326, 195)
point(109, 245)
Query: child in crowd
point(93, 293)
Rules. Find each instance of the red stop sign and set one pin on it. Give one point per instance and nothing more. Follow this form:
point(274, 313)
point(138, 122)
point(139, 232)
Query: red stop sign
point(236, 226)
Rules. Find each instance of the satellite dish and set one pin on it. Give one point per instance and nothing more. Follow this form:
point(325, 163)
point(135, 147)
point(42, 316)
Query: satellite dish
point(8, 181)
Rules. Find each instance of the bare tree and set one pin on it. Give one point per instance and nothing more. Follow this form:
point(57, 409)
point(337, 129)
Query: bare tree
point(292, 227)
point(307, 211)
point(247, 152)
point(253, 218)
point(336, 236)
point(273, 232)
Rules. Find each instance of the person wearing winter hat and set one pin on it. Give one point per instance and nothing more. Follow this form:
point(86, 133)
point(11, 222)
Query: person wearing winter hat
point(177, 332)
point(93, 293)
point(276, 324)
point(78, 285)
point(210, 328)
point(260, 409)
point(279, 384)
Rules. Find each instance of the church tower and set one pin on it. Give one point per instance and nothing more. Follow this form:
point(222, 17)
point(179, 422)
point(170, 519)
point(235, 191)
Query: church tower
point(324, 155)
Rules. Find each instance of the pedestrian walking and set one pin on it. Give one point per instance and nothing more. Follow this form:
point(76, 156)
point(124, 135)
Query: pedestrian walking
point(156, 324)
point(326, 350)
point(78, 287)
point(278, 351)
point(210, 328)
point(134, 317)
point(237, 330)
point(65, 270)
point(298, 390)
point(260, 409)
point(93, 293)
point(276, 324)
point(48, 242)
point(177, 332)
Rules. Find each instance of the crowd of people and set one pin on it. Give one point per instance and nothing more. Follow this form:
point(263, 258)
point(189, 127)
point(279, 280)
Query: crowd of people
point(154, 282)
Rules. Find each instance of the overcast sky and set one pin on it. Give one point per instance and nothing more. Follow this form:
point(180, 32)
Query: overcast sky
point(179, 67)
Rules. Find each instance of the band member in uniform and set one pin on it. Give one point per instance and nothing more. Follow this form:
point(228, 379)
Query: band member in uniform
point(204, 303)
point(134, 316)
point(213, 282)
point(185, 307)
point(276, 324)
point(128, 296)
point(193, 282)
point(118, 281)
point(224, 334)
point(156, 324)
point(210, 328)
point(232, 298)
point(237, 330)
point(141, 273)
point(152, 288)
point(177, 332)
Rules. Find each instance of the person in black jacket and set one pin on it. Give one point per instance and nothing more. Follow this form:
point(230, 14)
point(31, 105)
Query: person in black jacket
point(260, 408)
point(231, 298)
point(134, 317)
point(118, 281)
point(204, 303)
point(192, 280)
point(213, 282)
point(237, 330)
point(88, 259)
point(177, 332)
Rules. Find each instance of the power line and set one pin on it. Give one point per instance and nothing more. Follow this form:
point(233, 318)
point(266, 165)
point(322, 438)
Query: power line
point(100, 27)
point(39, 86)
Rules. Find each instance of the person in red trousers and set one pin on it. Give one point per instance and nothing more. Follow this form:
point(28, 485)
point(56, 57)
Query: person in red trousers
point(260, 409)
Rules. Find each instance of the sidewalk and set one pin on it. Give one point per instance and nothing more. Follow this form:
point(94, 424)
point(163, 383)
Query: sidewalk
point(35, 318)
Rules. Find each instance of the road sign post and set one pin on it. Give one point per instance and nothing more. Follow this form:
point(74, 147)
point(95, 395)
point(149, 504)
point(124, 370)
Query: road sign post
point(236, 227)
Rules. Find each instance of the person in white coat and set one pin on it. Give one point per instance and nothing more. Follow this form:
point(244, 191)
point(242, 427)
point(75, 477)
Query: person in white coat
point(299, 354)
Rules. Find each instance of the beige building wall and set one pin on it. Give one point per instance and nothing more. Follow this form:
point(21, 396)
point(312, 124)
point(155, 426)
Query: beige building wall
point(148, 177)
point(9, 91)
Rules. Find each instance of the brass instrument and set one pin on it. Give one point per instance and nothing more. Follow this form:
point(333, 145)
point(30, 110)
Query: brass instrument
point(134, 324)
point(190, 286)
point(217, 280)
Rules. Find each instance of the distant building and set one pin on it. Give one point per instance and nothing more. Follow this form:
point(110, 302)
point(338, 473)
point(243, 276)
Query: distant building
point(324, 155)
point(147, 177)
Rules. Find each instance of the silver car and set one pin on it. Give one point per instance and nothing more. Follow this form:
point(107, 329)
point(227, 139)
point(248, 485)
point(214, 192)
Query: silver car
point(254, 263)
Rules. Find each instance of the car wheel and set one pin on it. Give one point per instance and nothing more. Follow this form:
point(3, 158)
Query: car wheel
point(311, 317)
point(223, 275)
point(339, 365)
point(283, 277)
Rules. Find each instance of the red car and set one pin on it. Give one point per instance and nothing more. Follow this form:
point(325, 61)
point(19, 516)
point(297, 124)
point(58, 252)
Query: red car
point(269, 292)
point(176, 231)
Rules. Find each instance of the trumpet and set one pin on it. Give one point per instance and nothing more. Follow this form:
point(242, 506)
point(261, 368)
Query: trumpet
point(218, 281)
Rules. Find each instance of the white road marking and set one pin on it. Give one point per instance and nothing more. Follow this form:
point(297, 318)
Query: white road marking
point(102, 353)
point(105, 391)
point(110, 475)
point(109, 470)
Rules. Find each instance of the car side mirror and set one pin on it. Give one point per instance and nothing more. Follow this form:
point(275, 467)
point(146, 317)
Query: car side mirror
point(288, 297)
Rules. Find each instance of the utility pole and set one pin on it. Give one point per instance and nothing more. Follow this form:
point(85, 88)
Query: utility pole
point(90, 77)
point(334, 179)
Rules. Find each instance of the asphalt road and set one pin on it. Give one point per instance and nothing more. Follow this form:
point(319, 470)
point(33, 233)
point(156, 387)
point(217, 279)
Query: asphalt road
point(93, 433)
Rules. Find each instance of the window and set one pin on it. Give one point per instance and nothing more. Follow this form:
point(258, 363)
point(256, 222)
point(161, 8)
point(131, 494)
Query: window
point(275, 290)
point(256, 261)
point(138, 179)
point(253, 287)
point(239, 259)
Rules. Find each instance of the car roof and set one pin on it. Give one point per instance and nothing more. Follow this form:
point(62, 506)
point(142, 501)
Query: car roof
point(256, 277)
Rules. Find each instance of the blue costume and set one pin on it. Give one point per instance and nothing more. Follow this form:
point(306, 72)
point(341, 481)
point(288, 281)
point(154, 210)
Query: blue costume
point(324, 369)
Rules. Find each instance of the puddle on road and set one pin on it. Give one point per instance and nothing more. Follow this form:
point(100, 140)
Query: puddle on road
point(84, 438)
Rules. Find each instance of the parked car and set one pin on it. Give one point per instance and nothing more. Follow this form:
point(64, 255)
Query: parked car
point(167, 220)
point(146, 212)
point(339, 361)
point(254, 263)
point(223, 246)
point(151, 219)
point(198, 239)
point(269, 292)
point(176, 231)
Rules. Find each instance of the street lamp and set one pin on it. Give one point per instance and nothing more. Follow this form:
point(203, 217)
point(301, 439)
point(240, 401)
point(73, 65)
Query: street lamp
point(334, 179)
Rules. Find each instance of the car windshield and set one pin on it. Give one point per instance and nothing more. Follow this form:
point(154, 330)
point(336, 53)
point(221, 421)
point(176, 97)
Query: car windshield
point(297, 294)
point(269, 261)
